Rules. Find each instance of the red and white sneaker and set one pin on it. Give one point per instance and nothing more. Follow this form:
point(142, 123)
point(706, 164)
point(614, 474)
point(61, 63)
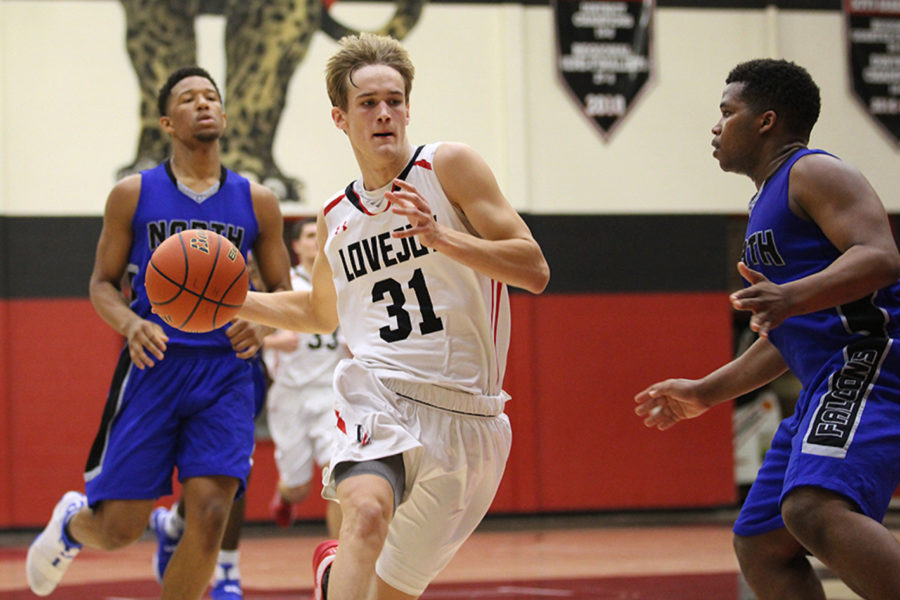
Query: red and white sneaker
point(322, 559)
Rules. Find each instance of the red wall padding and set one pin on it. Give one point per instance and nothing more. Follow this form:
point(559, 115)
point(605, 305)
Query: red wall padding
point(6, 492)
point(590, 355)
point(59, 361)
point(575, 364)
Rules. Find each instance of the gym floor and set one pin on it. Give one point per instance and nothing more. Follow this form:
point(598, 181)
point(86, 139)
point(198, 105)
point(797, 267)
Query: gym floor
point(622, 556)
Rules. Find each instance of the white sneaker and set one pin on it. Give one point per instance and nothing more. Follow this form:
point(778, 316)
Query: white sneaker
point(48, 556)
point(166, 544)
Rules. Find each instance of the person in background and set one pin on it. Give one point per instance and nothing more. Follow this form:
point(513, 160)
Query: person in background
point(301, 399)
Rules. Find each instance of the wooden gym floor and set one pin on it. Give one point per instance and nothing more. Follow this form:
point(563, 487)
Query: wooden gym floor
point(643, 556)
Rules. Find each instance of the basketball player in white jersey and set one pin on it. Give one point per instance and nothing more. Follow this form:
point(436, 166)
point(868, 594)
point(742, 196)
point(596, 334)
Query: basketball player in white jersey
point(301, 398)
point(417, 254)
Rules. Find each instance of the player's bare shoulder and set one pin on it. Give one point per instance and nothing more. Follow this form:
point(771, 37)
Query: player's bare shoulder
point(123, 197)
point(263, 197)
point(127, 187)
point(465, 175)
point(265, 202)
point(451, 157)
point(823, 178)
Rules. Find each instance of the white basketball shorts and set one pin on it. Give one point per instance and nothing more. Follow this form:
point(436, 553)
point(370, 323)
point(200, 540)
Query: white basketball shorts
point(454, 461)
point(303, 427)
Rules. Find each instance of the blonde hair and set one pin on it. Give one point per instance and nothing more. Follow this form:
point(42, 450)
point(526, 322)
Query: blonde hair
point(359, 51)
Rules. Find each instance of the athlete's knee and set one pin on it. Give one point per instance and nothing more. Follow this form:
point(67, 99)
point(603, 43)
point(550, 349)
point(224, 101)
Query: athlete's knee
point(799, 511)
point(205, 523)
point(764, 552)
point(809, 513)
point(212, 512)
point(365, 516)
point(112, 524)
point(208, 501)
point(119, 533)
point(368, 517)
point(747, 550)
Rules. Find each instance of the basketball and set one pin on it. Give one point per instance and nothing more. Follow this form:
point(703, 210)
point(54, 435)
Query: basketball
point(196, 280)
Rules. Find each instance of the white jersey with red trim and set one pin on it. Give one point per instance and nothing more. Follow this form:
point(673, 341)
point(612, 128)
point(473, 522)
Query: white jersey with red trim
point(316, 356)
point(406, 311)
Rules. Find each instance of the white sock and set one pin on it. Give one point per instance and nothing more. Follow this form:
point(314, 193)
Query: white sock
point(174, 523)
point(228, 566)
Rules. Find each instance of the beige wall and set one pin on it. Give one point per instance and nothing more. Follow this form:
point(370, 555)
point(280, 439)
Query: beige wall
point(486, 76)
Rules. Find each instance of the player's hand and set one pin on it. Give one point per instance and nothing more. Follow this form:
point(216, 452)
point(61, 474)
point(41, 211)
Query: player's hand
point(665, 403)
point(146, 341)
point(768, 301)
point(408, 202)
point(246, 337)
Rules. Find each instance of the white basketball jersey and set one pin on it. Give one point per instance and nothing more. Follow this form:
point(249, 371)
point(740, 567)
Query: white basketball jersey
point(407, 311)
point(316, 356)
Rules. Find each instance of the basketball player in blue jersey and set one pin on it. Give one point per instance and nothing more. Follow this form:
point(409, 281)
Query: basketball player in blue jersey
point(176, 399)
point(415, 256)
point(821, 268)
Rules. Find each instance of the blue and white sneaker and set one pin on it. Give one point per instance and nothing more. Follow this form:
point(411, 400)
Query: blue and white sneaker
point(227, 584)
point(166, 544)
point(52, 552)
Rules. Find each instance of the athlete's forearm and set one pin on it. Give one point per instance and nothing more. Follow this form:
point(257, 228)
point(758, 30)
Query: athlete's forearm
point(859, 272)
point(760, 364)
point(111, 306)
point(518, 261)
point(294, 310)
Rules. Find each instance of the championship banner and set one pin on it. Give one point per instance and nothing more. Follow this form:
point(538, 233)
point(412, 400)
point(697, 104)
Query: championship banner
point(873, 36)
point(603, 55)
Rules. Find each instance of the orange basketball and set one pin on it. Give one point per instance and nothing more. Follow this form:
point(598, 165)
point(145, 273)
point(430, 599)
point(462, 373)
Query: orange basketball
point(196, 280)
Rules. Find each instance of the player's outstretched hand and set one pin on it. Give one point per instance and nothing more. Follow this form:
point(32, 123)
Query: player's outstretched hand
point(767, 301)
point(146, 341)
point(665, 403)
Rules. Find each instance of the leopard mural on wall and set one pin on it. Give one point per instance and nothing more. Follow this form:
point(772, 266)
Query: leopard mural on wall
point(265, 42)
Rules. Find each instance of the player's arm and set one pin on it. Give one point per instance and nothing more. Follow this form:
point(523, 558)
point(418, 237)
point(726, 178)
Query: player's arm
point(274, 265)
point(146, 339)
point(839, 199)
point(667, 402)
point(270, 251)
point(314, 311)
point(501, 246)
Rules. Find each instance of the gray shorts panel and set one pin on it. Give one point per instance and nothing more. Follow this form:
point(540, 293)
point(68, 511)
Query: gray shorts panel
point(390, 468)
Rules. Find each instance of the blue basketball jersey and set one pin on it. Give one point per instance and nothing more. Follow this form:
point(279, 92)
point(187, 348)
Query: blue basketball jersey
point(842, 435)
point(784, 247)
point(164, 210)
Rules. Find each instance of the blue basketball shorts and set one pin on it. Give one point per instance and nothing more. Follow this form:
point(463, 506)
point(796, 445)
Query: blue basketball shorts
point(844, 436)
point(260, 383)
point(193, 410)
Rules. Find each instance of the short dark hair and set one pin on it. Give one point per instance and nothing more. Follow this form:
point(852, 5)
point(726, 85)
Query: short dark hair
point(162, 101)
point(298, 226)
point(782, 86)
